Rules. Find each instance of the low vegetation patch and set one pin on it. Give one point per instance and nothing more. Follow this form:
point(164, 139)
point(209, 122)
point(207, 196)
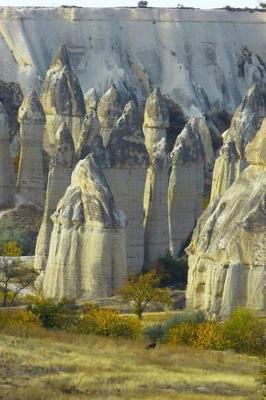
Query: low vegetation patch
point(57, 350)
point(243, 332)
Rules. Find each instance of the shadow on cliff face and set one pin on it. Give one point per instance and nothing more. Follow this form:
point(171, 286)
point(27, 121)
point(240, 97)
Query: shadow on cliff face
point(177, 121)
point(11, 97)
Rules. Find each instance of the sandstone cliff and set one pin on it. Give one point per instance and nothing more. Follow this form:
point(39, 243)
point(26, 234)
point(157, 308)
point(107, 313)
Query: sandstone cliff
point(227, 255)
point(87, 256)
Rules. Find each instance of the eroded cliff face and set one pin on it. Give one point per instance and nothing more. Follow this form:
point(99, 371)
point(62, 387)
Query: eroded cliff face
point(87, 256)
point(227, 255)
point(245, 123)
point(203, 59)
point(7, 174)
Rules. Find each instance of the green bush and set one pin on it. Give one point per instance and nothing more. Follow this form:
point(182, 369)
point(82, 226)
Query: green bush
point(246, 332)
point(188, 317)
point(160, 332)
point(60, 314)
point(155, 332)
point(24, 239)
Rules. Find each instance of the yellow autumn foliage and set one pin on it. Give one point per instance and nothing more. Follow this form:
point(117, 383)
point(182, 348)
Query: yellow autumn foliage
point(12, 249)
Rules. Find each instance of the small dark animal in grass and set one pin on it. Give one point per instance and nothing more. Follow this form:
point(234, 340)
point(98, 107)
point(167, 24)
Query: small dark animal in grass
point(151, 345)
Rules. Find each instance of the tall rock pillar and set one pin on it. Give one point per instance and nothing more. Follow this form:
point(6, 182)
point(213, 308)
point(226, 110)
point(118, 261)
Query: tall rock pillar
point(186, 185)
point(87, 255)
point(61, 167)
point(30, 180)
point(126, 174)
point(156, 234)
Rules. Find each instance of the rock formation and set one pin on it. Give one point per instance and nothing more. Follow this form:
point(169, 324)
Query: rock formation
point(7, 171)
point(186, 183)
point(91, 100)
point(87, 255)
point(62, 100)
point(61, 167)
point(89, 130)
point(30, 180)
point(227, 255)
point(126, 174)
point(156, 235)
point(109, 110)
point(245, 123)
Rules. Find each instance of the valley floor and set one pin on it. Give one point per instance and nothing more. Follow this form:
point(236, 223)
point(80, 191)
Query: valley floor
point(58, 365)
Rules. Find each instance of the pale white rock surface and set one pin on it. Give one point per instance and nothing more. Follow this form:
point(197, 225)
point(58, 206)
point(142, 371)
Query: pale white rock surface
point(91, 99)
point(7, 170)
point(245, 123)
point(227, 255)
point(62, 99)
point(198, 57)
point(87, 255)
point(30, 179)
point(109, 109)
point(186, 183)
point(156, 232)
point(60, 170)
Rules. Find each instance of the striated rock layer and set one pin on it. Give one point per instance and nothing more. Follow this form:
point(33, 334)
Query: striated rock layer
point(227, 255)
point(61, 167)
point(30, 180)
point(7, 171)
point(87, 255)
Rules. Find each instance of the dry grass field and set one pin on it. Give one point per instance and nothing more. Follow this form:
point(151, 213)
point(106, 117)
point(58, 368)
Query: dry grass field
point(58, 365)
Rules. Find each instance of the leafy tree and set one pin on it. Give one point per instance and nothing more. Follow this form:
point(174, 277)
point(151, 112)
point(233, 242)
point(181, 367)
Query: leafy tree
point(17, 276)
point(263, 5)
point(142, 290)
